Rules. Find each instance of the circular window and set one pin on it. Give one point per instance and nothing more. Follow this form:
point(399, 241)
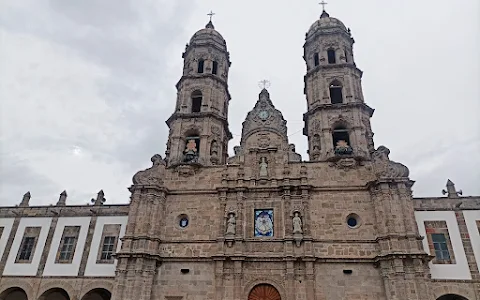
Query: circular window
point(182, 221)
point(353, 221)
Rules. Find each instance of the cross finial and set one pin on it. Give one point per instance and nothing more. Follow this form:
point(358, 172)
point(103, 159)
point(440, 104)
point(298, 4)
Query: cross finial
point(211, 14)
point(323, 3)
point(264, 84)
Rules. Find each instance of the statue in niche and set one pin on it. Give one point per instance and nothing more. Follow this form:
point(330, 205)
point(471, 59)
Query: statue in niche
point(297, 223)
point(316, 143)
point(214, 148)
point(231, 222)
point(191, 151)
point(342, 148)
point(263, 167)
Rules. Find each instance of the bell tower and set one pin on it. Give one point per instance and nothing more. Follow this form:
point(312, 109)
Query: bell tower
point(337, 121)
point(199, 125)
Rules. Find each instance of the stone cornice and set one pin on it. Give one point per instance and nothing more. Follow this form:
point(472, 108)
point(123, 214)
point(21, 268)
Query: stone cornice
point(341, 106)
point(202, 76)
point(177, 115)
point(330, 67)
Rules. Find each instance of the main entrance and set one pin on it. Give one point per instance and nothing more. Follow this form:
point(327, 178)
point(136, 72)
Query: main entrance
point(264, 292)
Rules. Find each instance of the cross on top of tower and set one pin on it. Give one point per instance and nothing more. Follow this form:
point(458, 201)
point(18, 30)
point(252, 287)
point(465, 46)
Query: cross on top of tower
point(264, 84)
point(211, 14)
point(323, 3)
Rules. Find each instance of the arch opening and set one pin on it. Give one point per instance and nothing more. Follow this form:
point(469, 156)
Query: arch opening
point(452, 297)
point(264, 292)
point(55, 294)
point(201, 65)
point(341, 141)
point(97, 294)
point(336, 94)
point(316, 59)
point(215, 68)
point(14, 293)
point(331, 56)
point(197, 99)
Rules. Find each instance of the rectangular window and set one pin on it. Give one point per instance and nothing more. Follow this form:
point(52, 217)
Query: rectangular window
point(439, 242)
point(68, 243)
point(440, 245)
point(109, 243)
point(108, 248)
point(215, 68)
point(28, 244)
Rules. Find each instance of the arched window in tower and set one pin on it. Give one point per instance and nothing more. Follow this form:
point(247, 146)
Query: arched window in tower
point(197, 98)
point(201, 64)
point(341, 140)
point(192, 146)
point(215, 68)
point(316, 59)
point(345, 52)
point(336, 95)
point(331, 56)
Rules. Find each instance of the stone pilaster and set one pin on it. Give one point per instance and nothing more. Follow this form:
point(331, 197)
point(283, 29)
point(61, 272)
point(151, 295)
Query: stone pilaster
point(139, 257)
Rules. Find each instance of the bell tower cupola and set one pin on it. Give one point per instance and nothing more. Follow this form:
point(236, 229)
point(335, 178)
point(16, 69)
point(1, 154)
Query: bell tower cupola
point(199, 125)
point(337, 121)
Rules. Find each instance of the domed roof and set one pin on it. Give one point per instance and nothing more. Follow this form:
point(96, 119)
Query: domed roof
point(208, 34)
point(327, 24)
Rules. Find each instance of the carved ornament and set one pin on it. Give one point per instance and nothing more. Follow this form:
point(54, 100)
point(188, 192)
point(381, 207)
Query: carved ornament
point(384, 167)
point(153, 175)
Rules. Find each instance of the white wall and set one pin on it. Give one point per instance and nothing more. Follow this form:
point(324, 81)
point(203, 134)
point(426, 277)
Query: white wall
point(460, 269)
point(7, 227)
point(92, 268)
point(62, 269)
point(23, 269)
point(471, 218)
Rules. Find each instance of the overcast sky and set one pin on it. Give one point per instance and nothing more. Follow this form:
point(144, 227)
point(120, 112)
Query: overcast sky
point(86, 86)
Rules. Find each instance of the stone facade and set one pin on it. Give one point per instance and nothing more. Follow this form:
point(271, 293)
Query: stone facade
point(263, 223)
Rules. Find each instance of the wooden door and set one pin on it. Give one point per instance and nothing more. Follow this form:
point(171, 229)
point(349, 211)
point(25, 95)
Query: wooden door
point(264, 292)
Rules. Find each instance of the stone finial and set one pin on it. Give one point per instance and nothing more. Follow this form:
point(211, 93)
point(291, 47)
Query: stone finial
point(26, 200)
point(451, 190)
point(100, 199)
point(62, 201)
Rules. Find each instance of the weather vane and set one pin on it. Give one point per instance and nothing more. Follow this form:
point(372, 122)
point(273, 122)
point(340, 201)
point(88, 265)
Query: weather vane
point(211, 14)
point(323, 3)
point(264, 84)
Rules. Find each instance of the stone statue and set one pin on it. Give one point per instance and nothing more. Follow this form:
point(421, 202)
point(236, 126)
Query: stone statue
point(297, 223)
point(263, 167)
point(191, 151)
point(231, 222)
point(342, 148)
point(214, 148)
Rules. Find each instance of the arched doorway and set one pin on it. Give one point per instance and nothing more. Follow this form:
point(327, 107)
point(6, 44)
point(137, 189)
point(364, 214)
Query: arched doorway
point(13, 294)
point(264, 292)
point(97, 294)
point(452, 297)
point(55, 294)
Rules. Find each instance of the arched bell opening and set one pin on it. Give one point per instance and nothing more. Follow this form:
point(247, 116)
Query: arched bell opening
point(191, 148)
point(14, 293)
point(98, 294)
point(341, 140)
point(197, 98)
point(336, 92)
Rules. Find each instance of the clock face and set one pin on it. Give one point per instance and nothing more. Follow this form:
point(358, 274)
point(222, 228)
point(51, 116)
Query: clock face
point(263, 114)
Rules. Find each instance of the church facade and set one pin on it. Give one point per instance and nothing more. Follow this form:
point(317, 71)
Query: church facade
point(263, 224)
